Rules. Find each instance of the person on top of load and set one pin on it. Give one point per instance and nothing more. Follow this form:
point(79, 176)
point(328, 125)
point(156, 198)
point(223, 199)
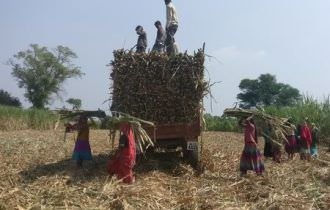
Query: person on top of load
point(171, 27)
point(141, 45)
point(160, 39)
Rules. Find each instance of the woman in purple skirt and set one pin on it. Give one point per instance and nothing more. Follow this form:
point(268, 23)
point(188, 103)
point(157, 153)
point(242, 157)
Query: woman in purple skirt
point(82, 149)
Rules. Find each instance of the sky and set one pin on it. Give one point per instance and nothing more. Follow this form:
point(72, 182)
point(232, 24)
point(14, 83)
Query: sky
point(289, 39)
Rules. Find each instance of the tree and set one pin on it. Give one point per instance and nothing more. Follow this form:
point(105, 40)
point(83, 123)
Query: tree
point(265, 91)
point(75, 102)
point(8, 100)
point(42, 72)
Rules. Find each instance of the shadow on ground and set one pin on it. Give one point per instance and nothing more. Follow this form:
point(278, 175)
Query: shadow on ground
point(165, 162)
point(92, 169)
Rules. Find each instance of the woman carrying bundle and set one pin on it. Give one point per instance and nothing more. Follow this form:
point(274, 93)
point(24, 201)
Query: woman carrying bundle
point(82, 148)
point(291, 144)
point(123, 162)
point(251, 157)
point(306, 141)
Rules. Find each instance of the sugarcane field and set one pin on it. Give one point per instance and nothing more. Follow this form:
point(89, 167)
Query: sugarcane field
point(164, 104)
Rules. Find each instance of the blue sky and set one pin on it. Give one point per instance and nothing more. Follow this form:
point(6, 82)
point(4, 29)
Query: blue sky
point(289, 39)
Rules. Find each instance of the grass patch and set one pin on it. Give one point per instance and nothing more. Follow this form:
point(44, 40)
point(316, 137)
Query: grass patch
point(13, 118)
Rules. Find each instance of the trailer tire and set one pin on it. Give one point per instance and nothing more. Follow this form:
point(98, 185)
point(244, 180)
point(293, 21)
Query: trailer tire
point(192, 156)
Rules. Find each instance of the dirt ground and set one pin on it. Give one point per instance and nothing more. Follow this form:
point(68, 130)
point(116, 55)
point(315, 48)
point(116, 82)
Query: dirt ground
point(36, 173)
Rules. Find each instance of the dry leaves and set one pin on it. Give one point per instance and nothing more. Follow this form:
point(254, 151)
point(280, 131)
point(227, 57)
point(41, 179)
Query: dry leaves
point(36, 173)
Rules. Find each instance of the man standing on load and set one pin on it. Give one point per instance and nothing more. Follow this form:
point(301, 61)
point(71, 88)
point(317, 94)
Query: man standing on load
point(141, 45)
point(159, 43)
point(171, 27)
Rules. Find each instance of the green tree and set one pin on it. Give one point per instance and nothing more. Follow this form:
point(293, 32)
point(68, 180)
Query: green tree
point(42, 72)
point(266, 91)
point(75, 102)
point(8, 100)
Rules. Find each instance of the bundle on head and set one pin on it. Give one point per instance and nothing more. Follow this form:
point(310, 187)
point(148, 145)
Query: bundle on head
point(279, 126)
point(68, 114)
point(157, 87)
point(142, 139)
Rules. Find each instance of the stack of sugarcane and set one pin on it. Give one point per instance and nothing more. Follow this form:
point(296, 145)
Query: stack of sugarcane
point(157, 87)
point(142, 140)
point(279, 126)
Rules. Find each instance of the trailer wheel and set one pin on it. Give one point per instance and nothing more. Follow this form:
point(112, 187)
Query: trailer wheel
point(192, 156)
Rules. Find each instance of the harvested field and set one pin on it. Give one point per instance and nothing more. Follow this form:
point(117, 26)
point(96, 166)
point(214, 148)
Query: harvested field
point(36, 173)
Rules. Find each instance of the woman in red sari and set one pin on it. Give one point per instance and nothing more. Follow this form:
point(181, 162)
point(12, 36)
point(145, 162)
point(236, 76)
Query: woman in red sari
point(306, 141)
point(124, 160)
point(251, 157)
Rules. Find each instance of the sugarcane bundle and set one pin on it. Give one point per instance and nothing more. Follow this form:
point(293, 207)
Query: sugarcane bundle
point(68, 115)
point(142, 139)
point(157, 87)
point(280, 127)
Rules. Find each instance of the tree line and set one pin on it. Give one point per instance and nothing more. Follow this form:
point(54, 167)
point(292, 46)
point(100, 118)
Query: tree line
point(41, 73)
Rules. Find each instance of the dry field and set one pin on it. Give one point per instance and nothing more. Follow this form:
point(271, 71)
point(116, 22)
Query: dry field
point(36, 173)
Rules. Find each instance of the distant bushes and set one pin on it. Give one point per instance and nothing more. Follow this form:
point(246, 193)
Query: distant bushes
point(7, 100)
point(216, 123)
point(317, 112)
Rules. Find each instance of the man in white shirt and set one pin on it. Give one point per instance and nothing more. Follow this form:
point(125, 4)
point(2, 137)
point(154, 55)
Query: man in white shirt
point(171, 27)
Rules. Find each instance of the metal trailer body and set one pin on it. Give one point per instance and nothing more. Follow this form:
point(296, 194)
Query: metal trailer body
point(178, 135)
